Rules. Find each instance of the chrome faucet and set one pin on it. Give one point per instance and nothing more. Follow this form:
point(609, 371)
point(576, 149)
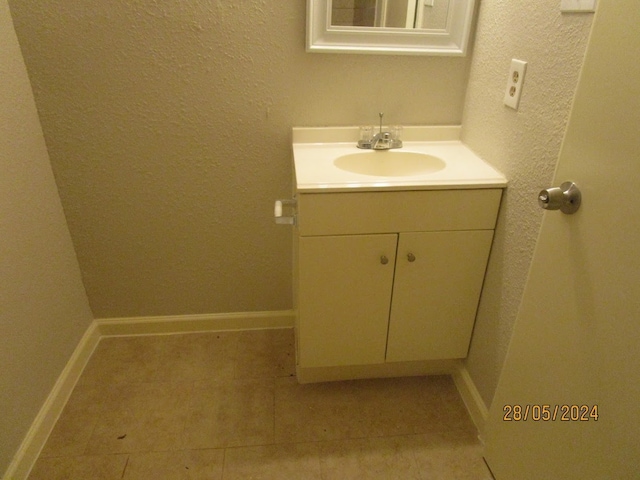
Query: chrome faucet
point(381, 140)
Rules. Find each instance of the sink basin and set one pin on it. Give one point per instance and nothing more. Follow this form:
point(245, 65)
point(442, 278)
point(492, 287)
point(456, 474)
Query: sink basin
point(326, 159)
point(389, 163)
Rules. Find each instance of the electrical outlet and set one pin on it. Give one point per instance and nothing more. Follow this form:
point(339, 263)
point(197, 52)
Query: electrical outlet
point(514, 83)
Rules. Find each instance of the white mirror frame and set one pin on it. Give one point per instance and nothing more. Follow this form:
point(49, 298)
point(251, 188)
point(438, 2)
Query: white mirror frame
point(325, 38)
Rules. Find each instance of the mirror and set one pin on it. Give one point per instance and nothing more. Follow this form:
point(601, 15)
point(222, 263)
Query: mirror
point(410, 14)
point(426, 27)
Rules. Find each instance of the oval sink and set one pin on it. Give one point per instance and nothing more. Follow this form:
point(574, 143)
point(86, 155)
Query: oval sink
point(388, 163)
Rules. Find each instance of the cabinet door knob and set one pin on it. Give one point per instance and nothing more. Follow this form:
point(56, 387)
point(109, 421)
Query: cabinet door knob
point(384, 260)
point(411, 257)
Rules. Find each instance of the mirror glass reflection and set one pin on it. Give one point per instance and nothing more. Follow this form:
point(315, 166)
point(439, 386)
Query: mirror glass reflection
point(405, 14)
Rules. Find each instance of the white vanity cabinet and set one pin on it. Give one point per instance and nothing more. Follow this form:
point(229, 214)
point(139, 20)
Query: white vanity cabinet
point(390, 276)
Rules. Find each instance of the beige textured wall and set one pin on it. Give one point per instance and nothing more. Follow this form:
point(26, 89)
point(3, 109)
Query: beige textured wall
point(43, 306)
point(168, 127)
point(524, 145)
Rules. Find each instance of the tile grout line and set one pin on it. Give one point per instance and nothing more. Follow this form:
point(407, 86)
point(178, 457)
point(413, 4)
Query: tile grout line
point(224, 463)
point(126, 464)
point(275, 385)
point(183, 440)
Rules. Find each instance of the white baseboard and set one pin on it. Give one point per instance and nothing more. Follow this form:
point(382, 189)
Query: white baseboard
point(47, 417)
point(471, 397)
point(195, 323)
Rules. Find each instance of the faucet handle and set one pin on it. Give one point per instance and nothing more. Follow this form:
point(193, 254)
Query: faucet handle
point(381, 115)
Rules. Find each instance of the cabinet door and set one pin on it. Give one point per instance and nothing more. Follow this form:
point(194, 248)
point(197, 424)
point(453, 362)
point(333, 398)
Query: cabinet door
point(344, 293)
point(435, 296)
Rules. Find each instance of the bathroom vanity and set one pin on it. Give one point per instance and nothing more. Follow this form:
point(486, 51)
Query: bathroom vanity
point(389, 260)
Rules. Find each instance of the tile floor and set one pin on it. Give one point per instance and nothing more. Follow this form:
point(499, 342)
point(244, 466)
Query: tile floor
point(227, 406)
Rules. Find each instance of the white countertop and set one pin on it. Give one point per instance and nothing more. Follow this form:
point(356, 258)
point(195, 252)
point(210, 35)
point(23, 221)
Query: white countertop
point(314, 151)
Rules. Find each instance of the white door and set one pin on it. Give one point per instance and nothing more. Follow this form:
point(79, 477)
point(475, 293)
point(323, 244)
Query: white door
point(577, 337)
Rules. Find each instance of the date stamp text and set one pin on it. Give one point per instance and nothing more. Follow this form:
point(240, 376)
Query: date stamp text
point(550, 413)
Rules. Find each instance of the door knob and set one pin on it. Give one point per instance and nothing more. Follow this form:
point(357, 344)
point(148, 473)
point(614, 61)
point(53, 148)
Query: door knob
point(384, 260)
point(566, 198)
point(411, 257)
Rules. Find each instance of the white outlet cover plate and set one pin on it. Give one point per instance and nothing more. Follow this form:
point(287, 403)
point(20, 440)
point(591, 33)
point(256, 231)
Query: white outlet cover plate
point(578, 5)
point(515, 82)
